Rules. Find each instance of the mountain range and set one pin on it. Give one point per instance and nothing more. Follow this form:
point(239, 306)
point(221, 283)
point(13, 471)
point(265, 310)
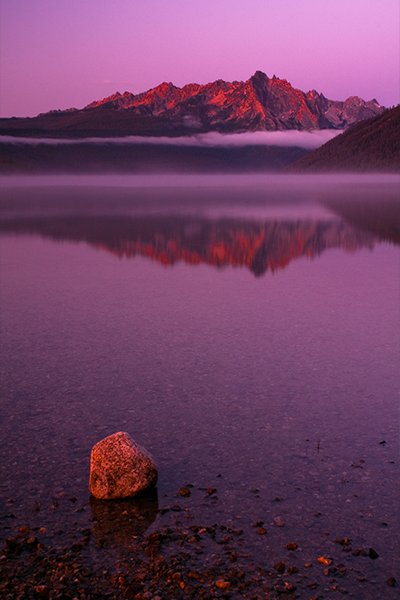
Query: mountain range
point(258, 104)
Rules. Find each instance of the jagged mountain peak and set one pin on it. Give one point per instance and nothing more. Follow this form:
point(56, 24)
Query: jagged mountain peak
point(260, 76)
point(117, 100)
point(260, 103)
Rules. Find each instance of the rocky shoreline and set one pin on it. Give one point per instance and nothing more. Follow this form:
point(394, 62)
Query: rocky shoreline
point(133, 549)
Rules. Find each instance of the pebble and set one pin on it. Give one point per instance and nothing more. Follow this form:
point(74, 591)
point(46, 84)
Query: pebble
point(24, 530)
point(291, 546)
point(292, 570)
point(261, 531)
point(343, 541)
point(221, 583)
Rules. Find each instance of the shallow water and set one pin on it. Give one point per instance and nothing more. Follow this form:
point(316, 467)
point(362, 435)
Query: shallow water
point(244, 330)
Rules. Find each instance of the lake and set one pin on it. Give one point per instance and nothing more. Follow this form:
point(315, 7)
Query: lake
point(243, 329)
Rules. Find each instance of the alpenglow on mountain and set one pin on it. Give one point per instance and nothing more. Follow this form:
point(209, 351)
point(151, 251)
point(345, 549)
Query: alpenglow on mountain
point(260, 103)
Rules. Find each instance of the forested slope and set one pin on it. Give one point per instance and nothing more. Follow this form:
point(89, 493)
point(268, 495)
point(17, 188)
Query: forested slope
point(372, 145)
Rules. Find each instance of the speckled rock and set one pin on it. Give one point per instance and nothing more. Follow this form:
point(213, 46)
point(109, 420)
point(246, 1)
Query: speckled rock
point(119, 468)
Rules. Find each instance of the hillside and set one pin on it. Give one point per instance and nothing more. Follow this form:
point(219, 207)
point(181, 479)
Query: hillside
point(372, 145)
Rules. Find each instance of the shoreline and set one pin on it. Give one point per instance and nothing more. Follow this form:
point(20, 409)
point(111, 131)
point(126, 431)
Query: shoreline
point(133, 549)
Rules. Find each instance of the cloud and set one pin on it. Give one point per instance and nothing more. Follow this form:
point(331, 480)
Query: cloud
point(303, 139)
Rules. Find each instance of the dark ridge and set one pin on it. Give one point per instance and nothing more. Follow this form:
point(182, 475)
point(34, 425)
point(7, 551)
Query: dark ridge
point(142, 158)
point(372, 145)
point(92, 122)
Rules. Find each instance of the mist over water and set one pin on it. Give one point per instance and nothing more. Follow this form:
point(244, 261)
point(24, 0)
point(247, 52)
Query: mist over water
point(302, 139)
point(295, 184)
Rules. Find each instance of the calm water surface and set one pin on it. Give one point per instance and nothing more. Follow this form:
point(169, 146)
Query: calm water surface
point(244, 330)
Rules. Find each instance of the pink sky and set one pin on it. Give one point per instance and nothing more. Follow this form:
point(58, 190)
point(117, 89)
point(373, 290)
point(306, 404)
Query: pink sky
point(64, 54)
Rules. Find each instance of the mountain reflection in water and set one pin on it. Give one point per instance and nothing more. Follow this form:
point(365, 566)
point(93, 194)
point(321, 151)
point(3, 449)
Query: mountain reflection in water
point(259, 246)
point(261, 226)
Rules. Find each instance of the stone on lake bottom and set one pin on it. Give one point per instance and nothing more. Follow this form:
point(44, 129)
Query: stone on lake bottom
point(120, 468)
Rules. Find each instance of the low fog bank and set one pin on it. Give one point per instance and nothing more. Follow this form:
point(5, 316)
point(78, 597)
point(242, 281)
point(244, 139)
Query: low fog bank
point(301, 139)
point(268, 181)
point(246, 195)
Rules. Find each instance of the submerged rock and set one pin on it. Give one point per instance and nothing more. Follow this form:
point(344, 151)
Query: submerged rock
point(120, 468)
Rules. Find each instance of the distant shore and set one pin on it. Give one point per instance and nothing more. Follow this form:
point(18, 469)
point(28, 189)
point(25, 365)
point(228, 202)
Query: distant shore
point(80, 157)
point(114, 157)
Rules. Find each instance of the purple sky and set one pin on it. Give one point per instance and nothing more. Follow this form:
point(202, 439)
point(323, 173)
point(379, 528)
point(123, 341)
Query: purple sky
point(64, 54)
